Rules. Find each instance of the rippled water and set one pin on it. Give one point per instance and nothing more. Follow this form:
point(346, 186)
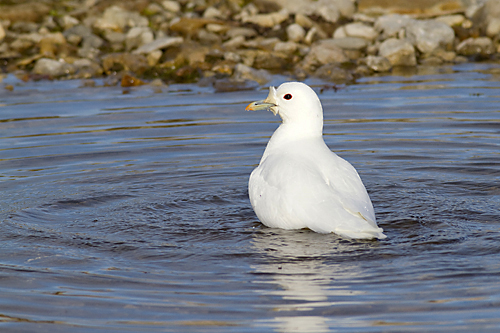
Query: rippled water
point(128, 210)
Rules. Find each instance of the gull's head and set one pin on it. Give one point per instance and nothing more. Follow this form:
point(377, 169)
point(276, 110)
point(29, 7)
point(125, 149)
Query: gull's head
point(294, 102)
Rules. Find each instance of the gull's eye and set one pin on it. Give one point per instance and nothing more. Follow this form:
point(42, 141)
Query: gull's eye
point(288, 97)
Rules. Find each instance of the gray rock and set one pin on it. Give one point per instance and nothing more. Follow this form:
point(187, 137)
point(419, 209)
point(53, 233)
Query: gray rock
point(378, 64)
point(330, 10)
point(350, 43)
point(118, 19)
point(159, 44)
point(398, 52)
point(171, 6)
point(240, 31)
point(429, 35)
point(138, 36)
point(286, 47)
point(323, 52)
point(295, 33)
point(267, 20)
point(356, 29)
point(482, 46)
point(332, 72)
point(390, 25)
point(243, 72)
point(45, 66)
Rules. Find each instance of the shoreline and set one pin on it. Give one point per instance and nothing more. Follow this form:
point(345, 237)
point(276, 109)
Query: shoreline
point(237, 46)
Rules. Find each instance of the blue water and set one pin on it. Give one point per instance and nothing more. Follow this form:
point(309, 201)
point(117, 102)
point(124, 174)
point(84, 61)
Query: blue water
point(127, 210)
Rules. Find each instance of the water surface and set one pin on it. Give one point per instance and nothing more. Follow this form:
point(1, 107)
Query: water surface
point(127, 210)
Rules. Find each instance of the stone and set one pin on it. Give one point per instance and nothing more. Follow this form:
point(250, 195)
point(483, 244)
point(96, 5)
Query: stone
point(481, 46)
point(451, 20)
point(286, 47)
point(27, 12)
point(295, 33)
point(361, 30)
point(267, 20)
point(68, 21)
point(398, 52)
point(240, 31)
point(213, 13)
point(493, 27)
point(86, 68)
point(159, 44)
point(54, 68)
point(323, 52)
point(332, 72)
point(51, 43)
point(138, 36)
point(243, 72)
point(153, 57)
point(303, 21)
point(234, 42)
point(189, 25)
point(2, 33)
point(118, 19)
point(429, 35)
point(271, 61)
point(350, 43)
point(377, 63)
point(390, 25)
point(171, 6)
point(116, 62)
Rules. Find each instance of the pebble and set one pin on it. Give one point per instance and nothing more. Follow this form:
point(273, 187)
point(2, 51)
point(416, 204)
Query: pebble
point(398, 52)
point(295, 33)
point(481, 46)
point(429, 35)
point(53, 68)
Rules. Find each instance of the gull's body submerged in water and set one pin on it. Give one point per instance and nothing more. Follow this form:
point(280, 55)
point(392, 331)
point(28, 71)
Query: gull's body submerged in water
point(300, 182)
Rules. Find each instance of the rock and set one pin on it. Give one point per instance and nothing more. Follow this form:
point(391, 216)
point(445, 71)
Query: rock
point(350, 43)
point(153, 57)
point(451, 20)
point(234, 42)
point(429, 35)
point(493, 27)
point(398, 52)
point(51, 43)
point(240, 31)
point(138, 36)
point(54, 68)
point(213, 13)
point(243, 72)
point(481, 46)
point(323, 52)
point(208, 38)
point(390, 25)
point(67, 22)
point(2, 33)
point(118, 19)
point(86, 68)
point(271, 61)
point(378, 64)
point(189, 26)
point(267, 20)
point(295, 33)
point(286, 47)
point(332, 72)
point(159, 44)
point(26, 12)
point(330, 10)
point(229, 85)
point(116, 62)
point(171, 6)
point(356, 29)
point(131, 81)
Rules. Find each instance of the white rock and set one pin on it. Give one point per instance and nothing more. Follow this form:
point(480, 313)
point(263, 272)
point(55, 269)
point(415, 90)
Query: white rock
point(398, 52)
point(350, 43)
point(476, 46)
point(2, 33)
point(390, 25)
point(295, 33)
point(286, 47)
point(493, 27)
point(45, 66)
point(361, 30)
point(267, 20)
point(340, 32)
point(248, 73)
point(159, 44)
point(378, 64)
point(323, 52)
point(429, 35)
point(171, 6)
point(212, 13)
point(451, 20)
point(116, 18)
point(138, 36)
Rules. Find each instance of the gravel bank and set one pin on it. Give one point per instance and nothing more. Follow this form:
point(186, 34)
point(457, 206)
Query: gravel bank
point(235, 44)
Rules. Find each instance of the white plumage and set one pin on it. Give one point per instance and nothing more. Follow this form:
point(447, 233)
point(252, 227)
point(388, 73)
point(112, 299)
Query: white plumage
point(299, 182)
